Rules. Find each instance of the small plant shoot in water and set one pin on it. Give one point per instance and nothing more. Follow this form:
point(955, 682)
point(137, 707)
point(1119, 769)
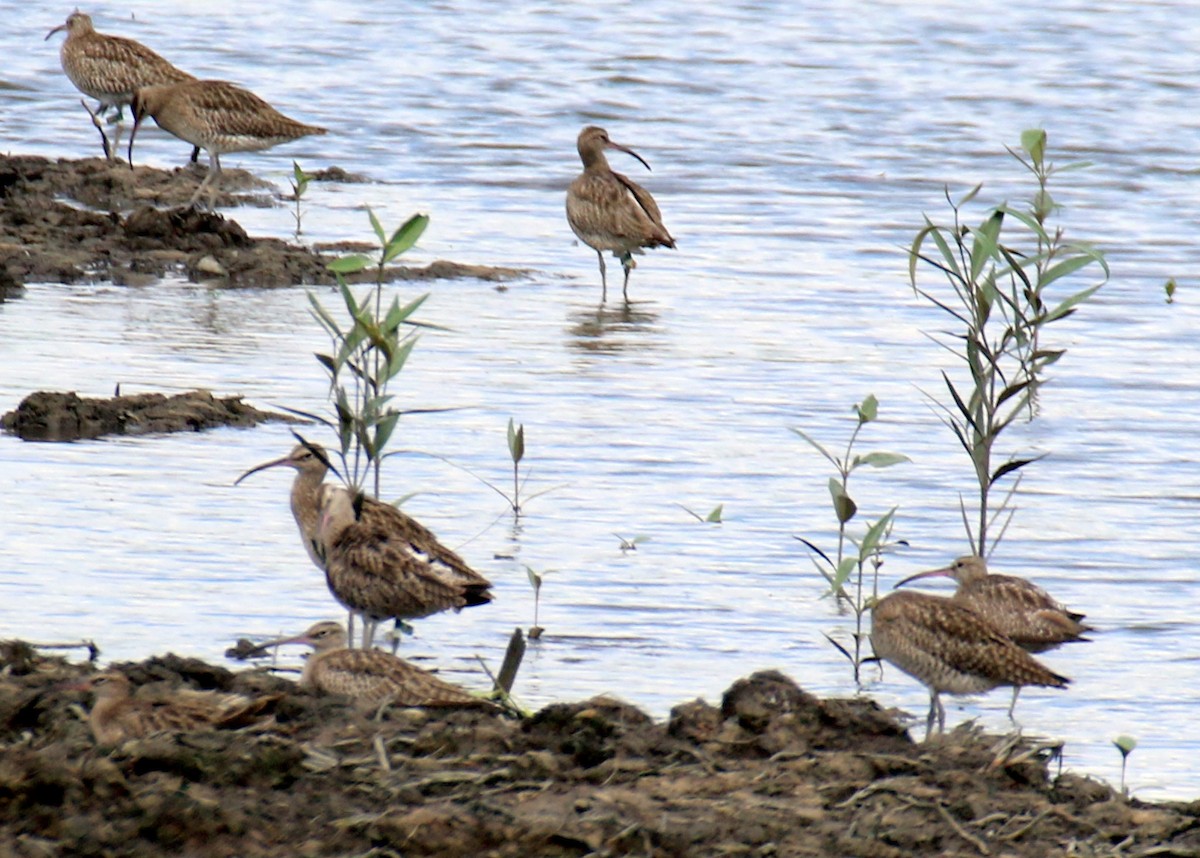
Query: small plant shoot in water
point(299, 182)
point(1124, 744)
point(535, 581)
point(853, 554)
point(714, 516)
point(996, 284)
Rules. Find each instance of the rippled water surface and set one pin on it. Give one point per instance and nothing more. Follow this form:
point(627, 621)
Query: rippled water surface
point(794, 154)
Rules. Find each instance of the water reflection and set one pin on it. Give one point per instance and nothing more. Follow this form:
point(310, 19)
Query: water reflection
point(614, 327)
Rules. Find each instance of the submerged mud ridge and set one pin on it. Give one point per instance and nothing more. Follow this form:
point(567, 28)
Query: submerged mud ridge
point(773, 771)
point(51, 416)
point(69, 221)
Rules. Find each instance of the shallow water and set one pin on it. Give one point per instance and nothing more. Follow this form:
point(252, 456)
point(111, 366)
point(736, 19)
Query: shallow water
point(793, 158)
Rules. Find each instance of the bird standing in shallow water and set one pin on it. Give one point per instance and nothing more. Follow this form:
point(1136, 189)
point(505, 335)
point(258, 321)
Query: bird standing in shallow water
point(609, 211)
point(951, 649)
point(387, 561)
point(383, 564)
point(218, 117)
point(1020, 609)
point(110, 69)
point(371, 676)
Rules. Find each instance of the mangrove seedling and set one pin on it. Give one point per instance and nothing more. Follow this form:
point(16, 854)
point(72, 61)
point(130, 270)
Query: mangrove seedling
point(853, 553)
point(714, 516)
point(299, 182)
point(996, 281)
point(535, 581)
point(367, 353)
point(630, 544)
point(1124, 744)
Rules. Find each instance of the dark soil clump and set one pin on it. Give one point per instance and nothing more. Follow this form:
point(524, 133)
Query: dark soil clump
point(773, 772)
point(49, 416)
point(69, 221)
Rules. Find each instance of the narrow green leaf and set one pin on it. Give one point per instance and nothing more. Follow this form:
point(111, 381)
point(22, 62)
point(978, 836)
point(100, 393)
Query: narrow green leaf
point(384, 429)
point(820, 449)
point(870, 542)
point(378, 227)
point(406, 236)
point(714, 517)
point(1068, 306)
point(351, 264)
point(844, 570)
point(880, 459)
point(970, 195)
point(986, 238)
point(1010, 466)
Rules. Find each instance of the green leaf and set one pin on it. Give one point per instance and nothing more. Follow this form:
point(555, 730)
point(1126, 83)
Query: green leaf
point(1033, 141)
point(714, 517)
point(843, 507)
point(820, 449)
point(1125, 744)
point(880, 459)
point(875, 532)
point(399, 358)
point(868, 409)
point(986, 237)
point(324, 316)
point(516, 441)
point(968, 196)
point(377, 226)
point(534, 578)
point(1068, 306)
point(405, 237)
point(351, 264)
point(385, 427)
point(1010, 466)
point(844, 570)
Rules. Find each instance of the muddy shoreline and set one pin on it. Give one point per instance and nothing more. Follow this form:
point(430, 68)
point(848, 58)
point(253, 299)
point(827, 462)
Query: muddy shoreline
point(769, 771)
point(90, 220)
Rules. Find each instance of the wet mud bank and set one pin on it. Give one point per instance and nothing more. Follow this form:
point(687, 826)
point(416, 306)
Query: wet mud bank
point(70, 221)
point(772, 771)
point(51, 416)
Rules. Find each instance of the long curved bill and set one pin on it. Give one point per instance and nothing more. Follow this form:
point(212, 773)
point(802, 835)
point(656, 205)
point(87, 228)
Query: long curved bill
point(930, 573)
point(274, 463)
point(628, 151)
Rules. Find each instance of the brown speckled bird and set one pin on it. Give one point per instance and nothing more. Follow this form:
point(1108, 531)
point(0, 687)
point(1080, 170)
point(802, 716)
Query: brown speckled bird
point(609, 211)
point(1020, 609)
point(949, 648)
point(118, 715)
point(371, 676)
point(218, 117)
point(110, 69)
point(383, 564)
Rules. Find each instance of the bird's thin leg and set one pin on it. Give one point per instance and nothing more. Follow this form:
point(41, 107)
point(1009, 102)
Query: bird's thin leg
point(1013, 705)
point(369, 624)
point(350, 629)
point(603, 278)
point(941, 713)
point(214, 170)
point(627, 263)
point(108, 151)
point(933, 703)
point(195, 154)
